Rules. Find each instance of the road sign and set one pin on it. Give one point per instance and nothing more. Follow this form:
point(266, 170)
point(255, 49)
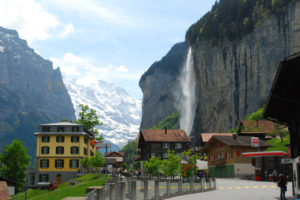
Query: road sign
point(286, 161)
point(254, 142)
point(105, 145)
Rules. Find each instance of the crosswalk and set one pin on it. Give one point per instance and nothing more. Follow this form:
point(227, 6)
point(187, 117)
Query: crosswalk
point(247, 187)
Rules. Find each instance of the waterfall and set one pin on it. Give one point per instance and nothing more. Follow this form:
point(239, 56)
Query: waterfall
point(188, 101)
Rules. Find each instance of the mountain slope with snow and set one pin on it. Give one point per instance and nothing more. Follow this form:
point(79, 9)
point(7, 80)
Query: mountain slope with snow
point(119, 113)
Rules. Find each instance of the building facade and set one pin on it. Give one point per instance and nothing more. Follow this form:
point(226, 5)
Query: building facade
point(224, 155)
point(59, 149)
point(158, 142)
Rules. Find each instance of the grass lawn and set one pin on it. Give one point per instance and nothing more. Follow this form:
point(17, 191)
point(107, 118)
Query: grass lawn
point(278, 145)
point(64, 190)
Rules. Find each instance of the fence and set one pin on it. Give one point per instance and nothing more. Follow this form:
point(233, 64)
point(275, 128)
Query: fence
point(148, 189)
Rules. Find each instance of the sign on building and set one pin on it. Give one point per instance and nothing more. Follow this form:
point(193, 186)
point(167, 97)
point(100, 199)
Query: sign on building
point(254, 142)
point(286, 161)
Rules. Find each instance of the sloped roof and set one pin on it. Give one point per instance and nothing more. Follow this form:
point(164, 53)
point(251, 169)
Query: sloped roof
point(62, 124)
point(114, 154)
point(240, 141)
point(172, 135)
point(261, 125)
point(4, 193)
point(206, 136)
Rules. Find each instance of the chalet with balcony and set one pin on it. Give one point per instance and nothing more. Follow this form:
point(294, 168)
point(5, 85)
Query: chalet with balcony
point(158, 142)
point(115, 159)
point(224, 155)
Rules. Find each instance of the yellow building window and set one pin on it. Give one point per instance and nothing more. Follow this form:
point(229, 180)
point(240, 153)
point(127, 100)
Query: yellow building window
point(85, 151)
point(74, 150)
point(45, 150)
point(74, 139)
point(60, 138)
point(44, 163)
point(45, 138)
point(74, 163)
point(59, 163)
point(59, 150)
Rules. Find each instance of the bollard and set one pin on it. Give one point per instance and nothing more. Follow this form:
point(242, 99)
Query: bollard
point(156, 197)
point(112, 192)
point(191, 185)
point(215, 183)
point(145, 189)
point(133, 190)
point(123, 190)
point(100, 193)
point(202, 184)
point(168, 187)
point(210, 183)
point(179, 185)
point(129, 189)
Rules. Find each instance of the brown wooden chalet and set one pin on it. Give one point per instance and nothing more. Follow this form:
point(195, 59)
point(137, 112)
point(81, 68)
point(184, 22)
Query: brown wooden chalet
point(224, 155)
point(256, 128)
point(157, 142)
point(116, 159)
point(205, 137)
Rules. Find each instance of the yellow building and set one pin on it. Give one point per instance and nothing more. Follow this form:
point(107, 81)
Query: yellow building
point(59, 149)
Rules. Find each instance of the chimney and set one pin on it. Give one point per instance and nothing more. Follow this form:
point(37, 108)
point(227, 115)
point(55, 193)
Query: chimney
point(234, 136)
point(166, 130)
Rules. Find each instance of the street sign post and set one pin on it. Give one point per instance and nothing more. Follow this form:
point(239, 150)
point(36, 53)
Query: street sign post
point(105, 145)
point(254, 142)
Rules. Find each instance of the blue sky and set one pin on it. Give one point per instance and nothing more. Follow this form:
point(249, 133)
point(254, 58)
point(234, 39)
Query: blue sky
point(114, 41)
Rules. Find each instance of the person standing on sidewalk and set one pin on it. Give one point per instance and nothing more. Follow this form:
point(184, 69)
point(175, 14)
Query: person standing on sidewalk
point(282, 184)
point(275, 175)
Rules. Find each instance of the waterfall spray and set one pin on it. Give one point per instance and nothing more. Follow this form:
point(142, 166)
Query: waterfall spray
point(188, 101)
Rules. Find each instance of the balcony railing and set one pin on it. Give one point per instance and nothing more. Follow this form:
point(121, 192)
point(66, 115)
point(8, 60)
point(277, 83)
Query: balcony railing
point(217, 162)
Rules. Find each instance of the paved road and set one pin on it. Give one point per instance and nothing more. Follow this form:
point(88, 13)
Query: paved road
point(236, 189)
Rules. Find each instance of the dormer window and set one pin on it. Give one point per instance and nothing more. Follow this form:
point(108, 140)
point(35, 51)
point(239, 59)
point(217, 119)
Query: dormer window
point(60, 129)
point(75, 129)
point(46, 129)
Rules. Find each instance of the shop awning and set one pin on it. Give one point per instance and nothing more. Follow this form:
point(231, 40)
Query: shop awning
point(265, 153)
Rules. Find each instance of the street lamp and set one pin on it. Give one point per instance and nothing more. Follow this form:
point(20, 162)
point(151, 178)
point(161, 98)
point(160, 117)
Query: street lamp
point(105, 145)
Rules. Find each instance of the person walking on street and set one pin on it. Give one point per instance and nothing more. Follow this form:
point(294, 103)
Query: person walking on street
point(282, 184)
point(275, 175)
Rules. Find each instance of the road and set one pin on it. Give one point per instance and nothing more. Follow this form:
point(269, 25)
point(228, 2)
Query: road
point(237, 189)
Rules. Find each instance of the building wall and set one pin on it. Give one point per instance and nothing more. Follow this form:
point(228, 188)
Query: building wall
point(65, 176)
point(221, 171)
point(243, 169)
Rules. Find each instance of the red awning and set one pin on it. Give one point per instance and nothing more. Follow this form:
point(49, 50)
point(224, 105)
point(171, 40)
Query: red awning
point(265, 153)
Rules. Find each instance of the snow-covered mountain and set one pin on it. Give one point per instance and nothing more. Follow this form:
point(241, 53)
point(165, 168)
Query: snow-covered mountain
point(120, 114)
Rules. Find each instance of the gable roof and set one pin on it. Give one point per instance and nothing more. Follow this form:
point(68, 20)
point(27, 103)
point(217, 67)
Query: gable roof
point(261, 126)
point(206, 136)
point(240, 141)
point(114, 154)
point(171, 135)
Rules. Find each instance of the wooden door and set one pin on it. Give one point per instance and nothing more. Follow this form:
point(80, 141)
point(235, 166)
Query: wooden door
point(58, 179)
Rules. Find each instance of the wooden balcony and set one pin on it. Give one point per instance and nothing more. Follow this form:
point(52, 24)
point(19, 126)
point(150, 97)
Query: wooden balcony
point(217, 162)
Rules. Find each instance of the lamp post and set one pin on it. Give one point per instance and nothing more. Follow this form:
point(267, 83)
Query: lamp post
point(105, 145)
point(25, 186)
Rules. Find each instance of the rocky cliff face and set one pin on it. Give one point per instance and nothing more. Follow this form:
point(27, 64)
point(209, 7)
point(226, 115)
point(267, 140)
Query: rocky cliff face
point(233, 80)
point(161, 87)
point(31, 91)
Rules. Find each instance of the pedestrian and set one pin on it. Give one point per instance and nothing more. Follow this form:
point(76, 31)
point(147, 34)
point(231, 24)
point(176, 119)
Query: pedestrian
point(275, 175)
point(282, 184)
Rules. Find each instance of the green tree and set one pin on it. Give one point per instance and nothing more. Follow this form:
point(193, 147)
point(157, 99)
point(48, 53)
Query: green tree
point(279, 130)
point(258, 115)
point(171, 166)
point(89, 118)
point(153, 166)
point(97, 161)
point(190, 169)
point(13, 162)
point(129, 150)
point(86, 163)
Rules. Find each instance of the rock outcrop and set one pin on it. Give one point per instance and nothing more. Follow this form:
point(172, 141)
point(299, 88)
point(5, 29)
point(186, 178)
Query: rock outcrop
point(32, 92)
point(233, 80)
point(161, 87)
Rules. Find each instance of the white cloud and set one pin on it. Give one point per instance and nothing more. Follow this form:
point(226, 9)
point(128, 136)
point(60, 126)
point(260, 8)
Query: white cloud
point(31, 20)
point(73, 66)
point(68, 29)
point(122, 68)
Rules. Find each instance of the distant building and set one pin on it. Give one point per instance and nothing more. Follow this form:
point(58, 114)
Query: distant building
point(224, 155)
point(59, 148)
point(205, 137)
point(4, 193)
point(158, 142)
point(115, 159)
point(256, 128)
point(10, 184)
